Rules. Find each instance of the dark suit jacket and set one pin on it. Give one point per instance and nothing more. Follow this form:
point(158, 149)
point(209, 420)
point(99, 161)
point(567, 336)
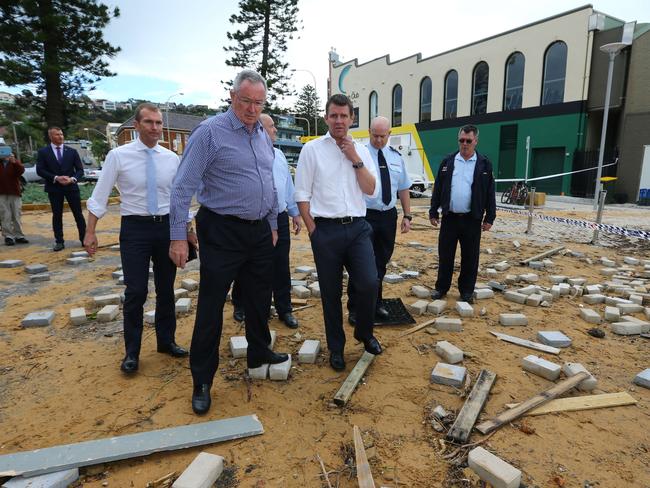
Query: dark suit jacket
point(48, 167)
point(483, 197)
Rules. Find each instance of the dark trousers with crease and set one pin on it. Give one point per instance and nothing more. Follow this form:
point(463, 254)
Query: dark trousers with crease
point(336, 245)
point(384, 227)
point(463, 229)
point(74, 201)
point(281, 271)
point(141, 242)
point(231, 249)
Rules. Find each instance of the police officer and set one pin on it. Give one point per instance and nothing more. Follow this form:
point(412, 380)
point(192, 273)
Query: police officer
point(381, 213)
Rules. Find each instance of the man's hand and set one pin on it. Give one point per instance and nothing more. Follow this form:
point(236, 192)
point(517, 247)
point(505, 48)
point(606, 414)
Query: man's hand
point(178, 251)
point(63, 180)
point(434, 222)
point(274, 236)
point(349, 150)
point(406, 226)
point(193, 240)
point(90, 243)
point(486, 227)
point(310, 231)
point(297, 224)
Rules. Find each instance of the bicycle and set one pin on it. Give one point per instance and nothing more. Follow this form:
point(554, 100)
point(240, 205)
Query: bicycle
point(516, 194)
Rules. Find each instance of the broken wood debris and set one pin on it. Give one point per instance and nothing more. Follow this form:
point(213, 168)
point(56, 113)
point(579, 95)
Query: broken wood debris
point(347, 388)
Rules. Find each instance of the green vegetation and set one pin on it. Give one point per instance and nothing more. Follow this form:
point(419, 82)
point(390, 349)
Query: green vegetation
point(34, 192)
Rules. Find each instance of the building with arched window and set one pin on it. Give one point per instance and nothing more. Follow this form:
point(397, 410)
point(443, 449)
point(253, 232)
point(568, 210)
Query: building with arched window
point(536, 92)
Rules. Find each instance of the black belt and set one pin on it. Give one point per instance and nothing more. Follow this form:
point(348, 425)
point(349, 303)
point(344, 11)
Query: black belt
point(338, 220)
point(460, 214)
point(379, 212)
point(147, 218)
point(234, 218)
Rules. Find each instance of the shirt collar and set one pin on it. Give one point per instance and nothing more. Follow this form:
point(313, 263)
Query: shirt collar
point(238, 124)
point(470, 160)
point(140, 146)
point(54, 146)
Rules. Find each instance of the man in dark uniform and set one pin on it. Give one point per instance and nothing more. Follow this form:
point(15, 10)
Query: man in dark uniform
point(464, 190)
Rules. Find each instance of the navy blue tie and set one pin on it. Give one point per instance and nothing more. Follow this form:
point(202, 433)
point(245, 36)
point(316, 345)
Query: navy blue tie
point(385, 178)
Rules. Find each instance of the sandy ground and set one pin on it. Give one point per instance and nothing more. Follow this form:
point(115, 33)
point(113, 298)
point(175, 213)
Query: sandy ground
point(62, 384)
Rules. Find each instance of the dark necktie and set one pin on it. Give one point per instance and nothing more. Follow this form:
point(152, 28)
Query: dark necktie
point(385, 178)
point(58, 154)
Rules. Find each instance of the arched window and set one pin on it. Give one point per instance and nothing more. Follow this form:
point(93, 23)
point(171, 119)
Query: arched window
point(480, 88)
point(513, 88)
point(425, 99)
point(374, 106)
point(554, 73)
point(451, 95)
point(397, 106)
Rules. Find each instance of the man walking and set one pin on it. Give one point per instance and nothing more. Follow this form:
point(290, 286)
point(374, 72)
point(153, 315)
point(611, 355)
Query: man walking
point(229, 160)
point(334, 173)
point(286, 208)
point(464, 190)
point(60, 166)
point(143, 171)
point(381, 213)
point(10, 201)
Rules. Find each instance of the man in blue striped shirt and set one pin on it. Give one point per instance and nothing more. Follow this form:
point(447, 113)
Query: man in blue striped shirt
point(229, 161)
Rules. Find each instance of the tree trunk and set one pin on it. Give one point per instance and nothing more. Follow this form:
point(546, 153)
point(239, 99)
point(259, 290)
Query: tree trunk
point(54, 109)
point(266, 38)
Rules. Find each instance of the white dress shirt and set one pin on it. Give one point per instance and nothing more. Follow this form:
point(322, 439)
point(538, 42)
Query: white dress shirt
point(326, 179)
point(125, 167)
point(54, 146)
point(461, 184)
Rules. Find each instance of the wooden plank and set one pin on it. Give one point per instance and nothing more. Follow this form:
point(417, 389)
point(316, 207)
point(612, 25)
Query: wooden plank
point(60, 458)
point(575, 404)
point(298, 301)
point(545, 254)
point(347, 388)
point(466, 419)
point(416, 328)
point(543, 397)
point(526, 343)
point(364, 475)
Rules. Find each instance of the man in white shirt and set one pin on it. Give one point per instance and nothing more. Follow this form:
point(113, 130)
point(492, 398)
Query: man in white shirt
point(143, 172)
point(333, 174)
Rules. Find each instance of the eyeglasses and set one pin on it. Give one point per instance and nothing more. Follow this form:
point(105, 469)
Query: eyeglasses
point(465, 141)
point(248, 101)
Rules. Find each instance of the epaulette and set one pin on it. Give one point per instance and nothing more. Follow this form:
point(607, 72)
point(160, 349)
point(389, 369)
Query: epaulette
point(395, 150)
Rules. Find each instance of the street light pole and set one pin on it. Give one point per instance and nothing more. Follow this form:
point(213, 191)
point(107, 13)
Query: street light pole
point(612, 50)
point(14, 124)
point(306, 120)
point(169, 141)
point(316, 92)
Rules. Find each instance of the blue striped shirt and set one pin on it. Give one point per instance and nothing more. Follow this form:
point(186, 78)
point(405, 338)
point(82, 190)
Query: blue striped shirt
point(232, 170)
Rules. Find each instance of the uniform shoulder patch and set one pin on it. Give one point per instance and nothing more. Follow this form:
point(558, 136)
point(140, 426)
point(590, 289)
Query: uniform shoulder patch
point(395, 150)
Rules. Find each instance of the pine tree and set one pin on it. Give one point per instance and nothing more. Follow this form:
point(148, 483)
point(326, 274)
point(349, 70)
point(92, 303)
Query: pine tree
point(56, 47)
point(308, 106)
point(266, 28)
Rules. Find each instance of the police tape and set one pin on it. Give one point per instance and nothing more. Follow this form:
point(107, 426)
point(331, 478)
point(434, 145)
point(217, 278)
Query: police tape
point(611, 229)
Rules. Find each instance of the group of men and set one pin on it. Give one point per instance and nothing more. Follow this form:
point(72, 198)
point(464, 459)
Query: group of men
point(345, 196)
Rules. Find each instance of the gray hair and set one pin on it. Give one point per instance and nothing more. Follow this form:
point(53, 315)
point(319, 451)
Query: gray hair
point(248, 74)
point(467, 129)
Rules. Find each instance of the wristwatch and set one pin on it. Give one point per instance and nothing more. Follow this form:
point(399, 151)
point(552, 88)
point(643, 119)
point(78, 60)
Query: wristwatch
point(408, 217)
point(358, 165)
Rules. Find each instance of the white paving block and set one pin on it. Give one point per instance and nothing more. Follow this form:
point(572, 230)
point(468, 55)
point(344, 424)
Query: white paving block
point(11, 263)
point(513, 319)
point(643, 378)
point(529, 277)
point(304, 269)
point(464, 309)
point(631, 260)
point(448, 352)
point(534, 300)
point(36, 278)
point(557, 279)
point(79, 254)
point(108, 313)
point(189, 284)
point(576, 281)
point(183, 305)
point(541, 367)
point(612, 314)
point(201, 473)
point(180, 293)
point(528, 290)
point(483, 294)
point(35, 268)
point(259, 373)
point(555, 291)
point(608, 271)
point(117, 274)
point(591, 316)
point(627, 328)
point(448, 374)
point(58, 479)
point(492, 469)
point(314, 289)
point(38, 319)
point(309, 351)
point(238, 346)
point(513, 296)
point(437, 306)
point(410, 274)
point(78, 316)
point(517, 244)
point(280, 371)
point(76, 261)
point(393, 278)
point(112, 299)
point(638, 299)
point(418, 307)
point(420, 291)
point(565, 288)
point(629, 308)
point(553, 338)
point(449, 324)
point(501, 266)
point(572, 369)
point(150, 317)
point(300, 291)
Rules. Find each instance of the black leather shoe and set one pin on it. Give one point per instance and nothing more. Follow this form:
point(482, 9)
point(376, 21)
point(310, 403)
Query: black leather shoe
point(129, 364)
point(352, 318)
point(381, 313)
point(336, 361)
point(9, 241)
point(59, 246)
point(173, 349)
point(371, 345)
point(22, 240)
point(239, 315)
point(289, 320)
point(269, 358)
point(201, 399)
point(467, 298)
point(437, 295)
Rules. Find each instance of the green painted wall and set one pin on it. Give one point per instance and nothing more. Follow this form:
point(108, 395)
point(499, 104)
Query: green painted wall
point(560, 131)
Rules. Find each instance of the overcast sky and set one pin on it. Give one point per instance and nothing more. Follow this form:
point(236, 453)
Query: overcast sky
point(170, 46)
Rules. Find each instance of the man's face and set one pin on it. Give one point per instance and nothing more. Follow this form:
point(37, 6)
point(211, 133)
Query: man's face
point(379, 135)
point(149, 127)
point(248, 102)
point(467, 144)
point(56, 136)
point(338, 120)
point(269, 125)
